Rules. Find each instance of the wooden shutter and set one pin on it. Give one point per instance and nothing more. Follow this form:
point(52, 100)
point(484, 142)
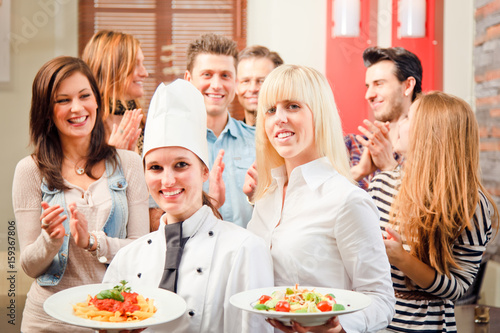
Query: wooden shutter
point(164, 28)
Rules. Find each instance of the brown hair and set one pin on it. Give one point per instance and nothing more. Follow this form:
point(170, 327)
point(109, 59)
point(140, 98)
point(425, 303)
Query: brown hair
point(112, 58)
point(259, 51)
point(440, 188)
point(208, 200)
point(213, 44)
point(44, 135)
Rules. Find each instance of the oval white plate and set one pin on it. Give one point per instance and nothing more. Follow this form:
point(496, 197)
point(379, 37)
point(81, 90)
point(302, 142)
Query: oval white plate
point(169, 305)
point(353, 301)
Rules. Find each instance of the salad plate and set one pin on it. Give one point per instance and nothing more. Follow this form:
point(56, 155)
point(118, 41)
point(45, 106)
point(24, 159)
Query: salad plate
point(169, 306)
point(351, 300)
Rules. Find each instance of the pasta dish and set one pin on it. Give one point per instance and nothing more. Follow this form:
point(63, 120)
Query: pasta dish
point(116, 305)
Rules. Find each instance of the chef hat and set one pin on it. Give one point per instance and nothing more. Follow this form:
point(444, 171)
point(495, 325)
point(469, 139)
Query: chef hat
point(177, 118)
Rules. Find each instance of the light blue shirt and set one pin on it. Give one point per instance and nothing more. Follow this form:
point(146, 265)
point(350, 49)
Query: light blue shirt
point(238, 141)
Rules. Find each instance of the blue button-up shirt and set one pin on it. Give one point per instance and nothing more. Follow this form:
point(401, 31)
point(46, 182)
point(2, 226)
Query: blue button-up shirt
point(238, 141)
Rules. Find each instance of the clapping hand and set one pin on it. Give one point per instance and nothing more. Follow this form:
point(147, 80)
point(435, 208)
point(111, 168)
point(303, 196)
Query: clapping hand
point(52, 221)
point(217, 188)
point(250, 184)
point(125, 135)
point(78, 226)
point(378, 143)
point(393, 246)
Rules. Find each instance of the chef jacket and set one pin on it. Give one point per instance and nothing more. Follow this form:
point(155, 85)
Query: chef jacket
point(220, 259)
point(327, 235)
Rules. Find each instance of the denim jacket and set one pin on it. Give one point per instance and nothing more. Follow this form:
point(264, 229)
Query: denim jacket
point(115, 226)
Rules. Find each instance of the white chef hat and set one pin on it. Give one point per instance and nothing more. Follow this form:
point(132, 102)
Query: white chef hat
point(177, 118)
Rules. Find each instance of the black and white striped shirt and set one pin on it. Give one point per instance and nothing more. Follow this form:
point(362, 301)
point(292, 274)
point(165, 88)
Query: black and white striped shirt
point(434, 315)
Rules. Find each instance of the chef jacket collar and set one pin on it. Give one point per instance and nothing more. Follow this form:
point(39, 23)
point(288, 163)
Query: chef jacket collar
point(192, 224)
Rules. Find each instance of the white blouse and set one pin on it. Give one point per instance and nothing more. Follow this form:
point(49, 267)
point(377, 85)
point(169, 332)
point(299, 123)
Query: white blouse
point(327, 235)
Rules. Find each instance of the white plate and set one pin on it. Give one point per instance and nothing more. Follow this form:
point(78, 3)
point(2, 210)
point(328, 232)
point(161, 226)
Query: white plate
point(353, 301)
point(169, 306)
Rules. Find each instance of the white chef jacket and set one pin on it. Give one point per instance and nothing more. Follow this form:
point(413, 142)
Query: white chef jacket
point(219, 260)
point(327, 235)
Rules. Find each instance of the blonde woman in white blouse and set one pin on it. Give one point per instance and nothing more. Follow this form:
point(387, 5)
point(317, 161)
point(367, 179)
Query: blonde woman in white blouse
point(321, 228)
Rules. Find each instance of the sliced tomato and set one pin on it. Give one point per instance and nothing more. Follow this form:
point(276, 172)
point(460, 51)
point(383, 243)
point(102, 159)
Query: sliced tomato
point(264, 298)
point(324, 306)
point(282, 306)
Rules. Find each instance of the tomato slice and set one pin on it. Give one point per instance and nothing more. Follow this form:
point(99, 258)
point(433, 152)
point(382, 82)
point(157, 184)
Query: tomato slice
point(330, 296)
point(282, 306)
point(264, 298)
point(324, 306)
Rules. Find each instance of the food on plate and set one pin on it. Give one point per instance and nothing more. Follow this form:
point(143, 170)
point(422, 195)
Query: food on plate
point(116, 305)
point(298, 300)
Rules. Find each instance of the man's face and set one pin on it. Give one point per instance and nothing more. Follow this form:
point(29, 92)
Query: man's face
point(384, 92)
point(250, 76)
point(214, 76)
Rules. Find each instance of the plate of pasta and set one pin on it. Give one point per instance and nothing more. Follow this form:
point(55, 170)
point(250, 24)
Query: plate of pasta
point(115, 307)
point(308, 306)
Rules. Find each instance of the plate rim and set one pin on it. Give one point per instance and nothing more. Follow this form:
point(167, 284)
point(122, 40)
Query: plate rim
point(98, 325)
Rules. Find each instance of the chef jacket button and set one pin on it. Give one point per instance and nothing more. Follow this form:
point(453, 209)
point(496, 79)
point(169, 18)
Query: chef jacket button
point(191, 313)
point(210, 233)
point(139, 275)
point(199, 270)
point(149, 241)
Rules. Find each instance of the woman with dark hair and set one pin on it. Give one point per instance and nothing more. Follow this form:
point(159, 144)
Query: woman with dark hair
point(76, 199)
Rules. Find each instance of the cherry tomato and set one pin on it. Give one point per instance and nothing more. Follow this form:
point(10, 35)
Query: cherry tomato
point(282, 306)
point(324, 306)
point(264, 298)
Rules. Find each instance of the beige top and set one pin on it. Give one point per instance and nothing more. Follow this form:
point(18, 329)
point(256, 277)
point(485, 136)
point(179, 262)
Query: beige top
point(37, 249)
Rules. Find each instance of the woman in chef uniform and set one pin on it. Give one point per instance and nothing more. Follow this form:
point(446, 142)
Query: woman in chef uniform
point(216, 259)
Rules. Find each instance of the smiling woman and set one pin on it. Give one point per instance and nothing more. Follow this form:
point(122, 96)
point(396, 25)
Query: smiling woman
point(75, 107)
point(117, 61)
point(305, 196)
point(92, 197)
point(194, 253)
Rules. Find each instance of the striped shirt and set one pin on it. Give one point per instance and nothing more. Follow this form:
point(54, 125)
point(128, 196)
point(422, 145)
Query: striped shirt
point(434, 315)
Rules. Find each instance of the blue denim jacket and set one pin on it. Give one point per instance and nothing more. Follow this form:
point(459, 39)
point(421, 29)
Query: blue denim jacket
point(115, 226)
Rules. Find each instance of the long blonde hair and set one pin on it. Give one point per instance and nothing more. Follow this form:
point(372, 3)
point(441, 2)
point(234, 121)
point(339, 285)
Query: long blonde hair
point(440, 188)
point(307, 85)
point(112, 58)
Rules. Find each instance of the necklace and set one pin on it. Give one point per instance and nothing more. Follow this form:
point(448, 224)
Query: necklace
point(79, 170)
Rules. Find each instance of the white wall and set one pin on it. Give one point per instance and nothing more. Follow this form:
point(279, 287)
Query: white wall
point(38, 33)
point(458, 49)
point(40, 30)
point(296, 29)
